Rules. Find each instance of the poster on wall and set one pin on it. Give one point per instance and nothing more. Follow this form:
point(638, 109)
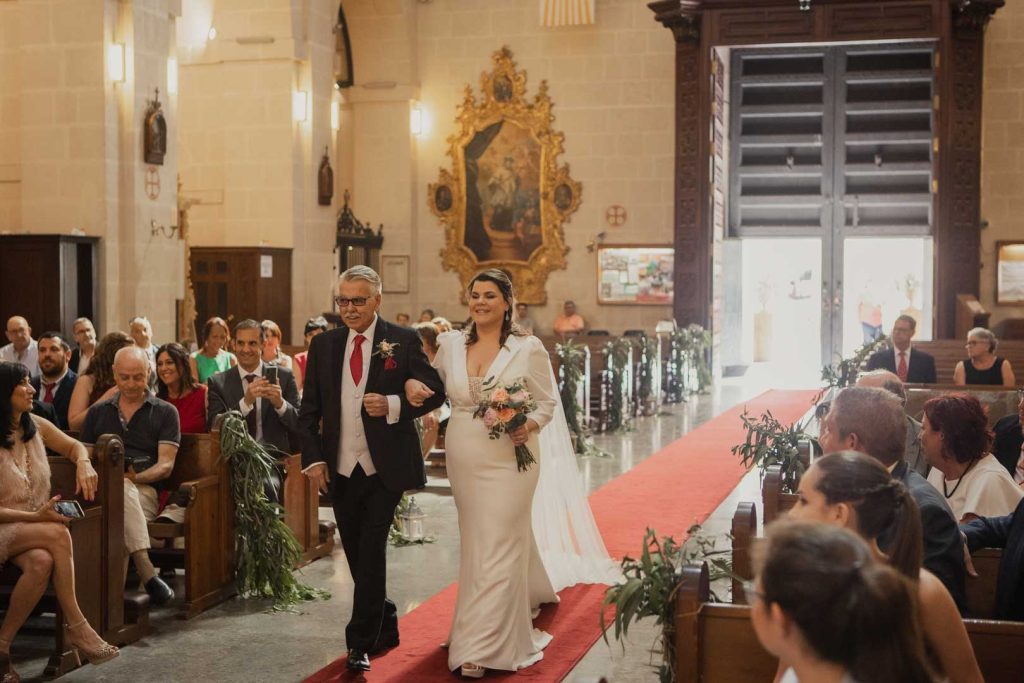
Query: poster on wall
point(1010, 273)
point(634, 275)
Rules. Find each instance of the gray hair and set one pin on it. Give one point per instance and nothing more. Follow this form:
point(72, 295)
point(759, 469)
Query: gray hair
point(887, 380)
point(140, 319)
point(984, 334)
point(82, 320)
point(134, 351)
point(876, 417)
point(365, 274)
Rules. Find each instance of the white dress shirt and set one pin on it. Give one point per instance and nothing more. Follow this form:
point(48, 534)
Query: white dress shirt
point(353, 447)
point(29, 357)
point(245, 408)
point(896, 357)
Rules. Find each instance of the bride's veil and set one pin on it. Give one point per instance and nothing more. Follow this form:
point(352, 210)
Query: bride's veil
point(570, 545)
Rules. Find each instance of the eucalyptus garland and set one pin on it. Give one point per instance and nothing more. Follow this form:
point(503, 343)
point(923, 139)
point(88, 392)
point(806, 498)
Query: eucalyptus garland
point(844, 373)
point(647, 370)
point(266, 551)
point(572, 366)
point(693, 343)
point(615, 385)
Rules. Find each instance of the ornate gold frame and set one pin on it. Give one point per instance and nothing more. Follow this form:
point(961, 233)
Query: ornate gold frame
point(504, 99)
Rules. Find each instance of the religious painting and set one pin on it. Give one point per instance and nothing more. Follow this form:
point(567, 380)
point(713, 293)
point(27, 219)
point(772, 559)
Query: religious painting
point(505, 200)
point(635, 275)
point(1010, 273)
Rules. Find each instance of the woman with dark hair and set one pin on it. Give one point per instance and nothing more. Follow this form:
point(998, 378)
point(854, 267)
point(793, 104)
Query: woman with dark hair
point(822, 603)
point(956, 441)
point(855, 491)
point(98, 381)
point(983, 366)
point(33, 535)
point(523, 535)
point(314, 326)
point(176, 385)
point(272, 345)
point(214, 356)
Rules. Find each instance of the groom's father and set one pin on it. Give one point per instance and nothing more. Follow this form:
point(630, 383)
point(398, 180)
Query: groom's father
point(360, 443)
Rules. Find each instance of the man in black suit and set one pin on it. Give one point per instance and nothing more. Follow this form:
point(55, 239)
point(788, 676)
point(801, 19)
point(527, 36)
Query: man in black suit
point(270, 407)
point(1008, 446)
point(1006, 533)
point(914, 367)
point(871, 420)
point(56, 380)
point(359, 442)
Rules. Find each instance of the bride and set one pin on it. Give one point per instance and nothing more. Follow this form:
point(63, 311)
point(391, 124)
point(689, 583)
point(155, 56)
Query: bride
point(504, 575)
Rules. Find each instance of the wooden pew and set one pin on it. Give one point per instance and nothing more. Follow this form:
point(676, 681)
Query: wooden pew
point(981, 589)
point(301, 501)
point(744, 531)
point(998, 401)
point(774, 501)
point(948, 352)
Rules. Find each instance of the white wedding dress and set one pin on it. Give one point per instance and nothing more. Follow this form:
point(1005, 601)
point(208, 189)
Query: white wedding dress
point(503, 574)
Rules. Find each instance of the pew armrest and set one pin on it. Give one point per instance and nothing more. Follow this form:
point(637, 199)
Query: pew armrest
point(186, 496)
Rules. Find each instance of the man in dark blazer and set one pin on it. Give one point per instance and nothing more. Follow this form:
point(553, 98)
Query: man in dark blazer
point(1006, 533)
point(871, 420)
point(911, 366)
point(270, 408)
point(359, 442)
point(1009, 440)
point(56, 380)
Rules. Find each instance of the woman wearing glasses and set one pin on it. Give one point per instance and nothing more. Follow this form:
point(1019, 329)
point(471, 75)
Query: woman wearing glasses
point(983, 366)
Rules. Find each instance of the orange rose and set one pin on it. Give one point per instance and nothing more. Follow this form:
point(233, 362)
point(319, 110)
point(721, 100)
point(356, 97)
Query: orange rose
point(499, 396)
point(506, 415)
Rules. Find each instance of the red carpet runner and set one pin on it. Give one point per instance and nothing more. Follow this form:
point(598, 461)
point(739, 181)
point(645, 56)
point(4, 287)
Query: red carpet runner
point(681, 484)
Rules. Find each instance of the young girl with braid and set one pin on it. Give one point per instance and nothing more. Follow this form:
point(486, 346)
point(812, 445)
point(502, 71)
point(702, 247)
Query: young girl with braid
point(856, 491)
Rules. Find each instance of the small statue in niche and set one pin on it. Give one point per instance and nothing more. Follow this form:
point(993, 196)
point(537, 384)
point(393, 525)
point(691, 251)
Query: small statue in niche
point(325, 181)
point(154, 133)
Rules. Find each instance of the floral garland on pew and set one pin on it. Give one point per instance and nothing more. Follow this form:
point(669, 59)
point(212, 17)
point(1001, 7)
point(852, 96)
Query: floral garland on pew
point(647, 370)
point(617, 359)
point(693, 342)
point(572, 364)
point(844, 373)
point(266, 550)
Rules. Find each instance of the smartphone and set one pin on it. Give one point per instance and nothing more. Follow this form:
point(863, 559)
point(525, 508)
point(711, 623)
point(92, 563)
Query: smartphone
point(270, 373)
point(69, 508)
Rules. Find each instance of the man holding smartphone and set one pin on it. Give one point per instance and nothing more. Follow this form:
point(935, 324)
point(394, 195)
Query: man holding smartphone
point(266, 395)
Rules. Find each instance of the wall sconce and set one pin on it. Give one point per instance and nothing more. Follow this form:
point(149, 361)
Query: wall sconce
point(300, 109)
point(335, 115)
point(172, 75)
point(116, 62)
point(416, 120)
point(167, 231)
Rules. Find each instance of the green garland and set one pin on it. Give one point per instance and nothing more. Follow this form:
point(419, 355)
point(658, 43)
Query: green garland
point(616, 360)
point(844, 373)
point(694, 342)
point(769, 443)
point(572, 363)
point(647, 369)
point(266, 551)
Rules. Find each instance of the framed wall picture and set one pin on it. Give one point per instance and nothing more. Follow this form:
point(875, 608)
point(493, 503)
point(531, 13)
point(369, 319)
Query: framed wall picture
point(634, 274)
point(394, 274)
point(1010, 272)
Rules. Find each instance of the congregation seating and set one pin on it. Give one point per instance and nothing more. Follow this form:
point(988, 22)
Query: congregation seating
point(998, 401)
point(948, 352)
point(97, 539)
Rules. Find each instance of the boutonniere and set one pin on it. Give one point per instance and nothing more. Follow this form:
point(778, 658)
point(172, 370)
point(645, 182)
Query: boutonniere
point(386, 350)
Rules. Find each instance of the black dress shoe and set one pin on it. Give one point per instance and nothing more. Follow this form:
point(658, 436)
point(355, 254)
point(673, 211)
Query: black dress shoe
point(358, 660)
point(159, 592)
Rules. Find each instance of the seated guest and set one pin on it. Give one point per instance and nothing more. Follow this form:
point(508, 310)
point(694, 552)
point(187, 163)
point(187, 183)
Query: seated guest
point(314, 326)
point(884, 379)
point(98, 381)
point(403, 319)
point(442, 324)
point(983, 366)
point(1008, 446)
point(956, 440)
point(85, 337)
point(22, 348)
point(269, 408)
point(426, 315)
point(431, 422)
point(855, 491)
point(272, 346)
point(212, 358)
point(176, 385)
point(1005, 532)
point(56, 381)
point(523, 319)
point(141, 332)
point(872, 421)
point(825, 607)
point(33, 535)
point(910, 366)
point(150, 431)
point(570, 323)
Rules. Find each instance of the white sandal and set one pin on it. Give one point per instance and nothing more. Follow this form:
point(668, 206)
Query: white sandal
point(473, 671)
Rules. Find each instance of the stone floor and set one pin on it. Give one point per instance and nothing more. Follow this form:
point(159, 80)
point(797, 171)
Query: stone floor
point(237, 641)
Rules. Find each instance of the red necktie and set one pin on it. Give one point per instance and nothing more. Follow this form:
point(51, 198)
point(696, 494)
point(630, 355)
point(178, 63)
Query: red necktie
point(901, 369)
point(48, 396)
point(355, 363)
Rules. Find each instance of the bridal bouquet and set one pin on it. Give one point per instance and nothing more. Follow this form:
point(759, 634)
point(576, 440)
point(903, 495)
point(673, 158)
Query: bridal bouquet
point(505, 410)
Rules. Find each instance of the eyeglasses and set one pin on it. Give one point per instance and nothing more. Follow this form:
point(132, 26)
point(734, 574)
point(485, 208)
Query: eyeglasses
point(342, 302)
point(975, 343)
point(750, 589)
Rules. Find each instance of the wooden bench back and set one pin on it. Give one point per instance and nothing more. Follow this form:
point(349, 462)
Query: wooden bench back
point(981, 589)
point(744, 531)
point(948, 352)
point(775, 502)
point(998, 402)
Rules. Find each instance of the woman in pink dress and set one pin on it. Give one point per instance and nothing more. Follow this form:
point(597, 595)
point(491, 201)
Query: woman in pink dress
point(33, 535)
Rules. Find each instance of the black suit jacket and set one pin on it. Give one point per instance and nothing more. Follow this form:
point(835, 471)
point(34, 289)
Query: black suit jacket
point(1006, 533)
point(921, 369)
point(1009, 438)
point(943, 545)
point(395, 448)
point(226, 391)
point(61, 397)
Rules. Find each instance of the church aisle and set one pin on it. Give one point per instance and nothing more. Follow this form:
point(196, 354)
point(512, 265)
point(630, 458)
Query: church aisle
point(236, 640)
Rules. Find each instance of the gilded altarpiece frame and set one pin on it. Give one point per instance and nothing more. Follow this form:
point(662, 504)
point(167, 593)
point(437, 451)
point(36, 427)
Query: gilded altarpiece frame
point(505, 200)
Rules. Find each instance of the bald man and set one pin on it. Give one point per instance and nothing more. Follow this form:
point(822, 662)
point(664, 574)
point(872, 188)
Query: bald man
point(890, 381)
point(150, 430)
point(22, 348)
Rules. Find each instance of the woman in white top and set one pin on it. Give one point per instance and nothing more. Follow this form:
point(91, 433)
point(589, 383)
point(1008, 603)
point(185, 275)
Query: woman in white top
point(955, 438)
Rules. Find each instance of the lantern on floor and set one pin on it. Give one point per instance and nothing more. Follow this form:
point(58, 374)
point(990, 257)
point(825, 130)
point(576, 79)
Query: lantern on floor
point(412, 522)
